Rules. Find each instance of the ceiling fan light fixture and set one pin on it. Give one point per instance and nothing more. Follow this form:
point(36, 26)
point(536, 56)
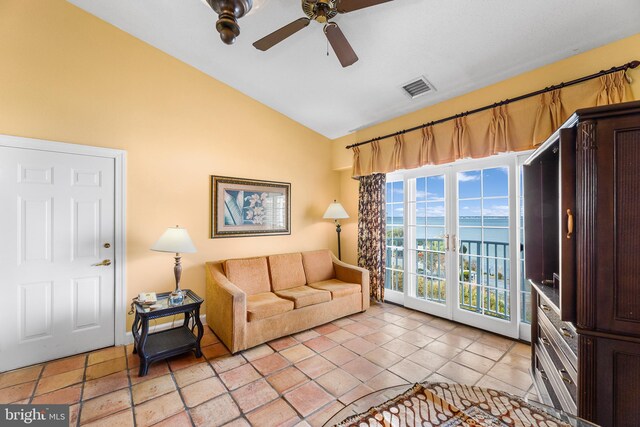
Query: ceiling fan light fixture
point(321, 11)
point(229, 11)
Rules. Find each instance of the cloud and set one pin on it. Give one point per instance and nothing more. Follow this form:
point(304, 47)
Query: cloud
point(468, 176)
point(497, 210)
point(425, 195)
point(435, 210)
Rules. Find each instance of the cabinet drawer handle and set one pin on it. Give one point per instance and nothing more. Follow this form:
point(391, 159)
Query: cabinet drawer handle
point(564, 375)
point(569, 223)
point(545, 341)
point(566, 332)
point(545, 307)
point(543, 374)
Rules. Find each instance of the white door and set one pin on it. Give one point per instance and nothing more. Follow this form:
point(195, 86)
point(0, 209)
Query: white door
point(452, 239)
point(428, 244)
point(485, 217)
point(56, 255)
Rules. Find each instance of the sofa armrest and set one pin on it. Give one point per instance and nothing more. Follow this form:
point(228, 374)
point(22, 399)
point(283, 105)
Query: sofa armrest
point(352, 274)
point(226, 308)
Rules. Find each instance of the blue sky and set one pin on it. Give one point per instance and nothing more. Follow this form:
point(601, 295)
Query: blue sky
point(481, 192)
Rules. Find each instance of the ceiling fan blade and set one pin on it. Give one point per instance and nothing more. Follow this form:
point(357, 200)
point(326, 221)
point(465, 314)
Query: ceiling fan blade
point(340, 45)
point(277, 36)
point(345, 6)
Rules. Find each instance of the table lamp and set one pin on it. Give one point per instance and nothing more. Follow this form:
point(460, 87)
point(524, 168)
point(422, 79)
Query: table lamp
point(335, 211)
point(175, 240)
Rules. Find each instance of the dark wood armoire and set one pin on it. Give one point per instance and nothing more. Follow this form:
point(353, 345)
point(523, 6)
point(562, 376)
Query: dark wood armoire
point(582, 256)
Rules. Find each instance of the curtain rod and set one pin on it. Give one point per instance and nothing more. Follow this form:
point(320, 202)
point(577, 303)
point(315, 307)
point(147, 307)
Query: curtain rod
point(632, 64)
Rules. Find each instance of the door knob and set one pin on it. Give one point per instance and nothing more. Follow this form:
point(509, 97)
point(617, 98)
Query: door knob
point(105, 263)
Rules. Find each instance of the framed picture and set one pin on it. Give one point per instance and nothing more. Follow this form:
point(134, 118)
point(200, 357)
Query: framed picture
point(249, 207)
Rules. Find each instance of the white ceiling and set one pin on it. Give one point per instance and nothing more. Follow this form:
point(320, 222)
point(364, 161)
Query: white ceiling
point(459, 45)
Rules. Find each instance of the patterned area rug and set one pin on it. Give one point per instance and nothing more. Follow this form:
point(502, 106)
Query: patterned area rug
point(449, 405)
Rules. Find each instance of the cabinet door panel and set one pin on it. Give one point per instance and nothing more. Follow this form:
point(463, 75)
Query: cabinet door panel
point(534, 268)
point(618, 228)
point(616, 395)
point(567, 231)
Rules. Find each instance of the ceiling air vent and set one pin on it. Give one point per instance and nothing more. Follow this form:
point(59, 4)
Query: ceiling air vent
point(418, 87)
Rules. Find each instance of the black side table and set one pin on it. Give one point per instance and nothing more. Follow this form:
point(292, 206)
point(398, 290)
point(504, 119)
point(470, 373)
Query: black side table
point(170, 342)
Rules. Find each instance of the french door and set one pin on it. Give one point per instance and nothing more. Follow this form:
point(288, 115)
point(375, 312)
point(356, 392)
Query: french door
point(457, 257)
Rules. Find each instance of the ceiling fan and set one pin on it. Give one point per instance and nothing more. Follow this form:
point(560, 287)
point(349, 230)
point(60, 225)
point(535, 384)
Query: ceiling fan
point(322, 11)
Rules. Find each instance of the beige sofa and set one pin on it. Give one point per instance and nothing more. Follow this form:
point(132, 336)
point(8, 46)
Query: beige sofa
point(254, 300)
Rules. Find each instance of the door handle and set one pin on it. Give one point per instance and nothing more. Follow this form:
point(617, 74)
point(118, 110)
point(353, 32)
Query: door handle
point(446, 243)
point(454, 243)
point(104, 263)
point(569, 223)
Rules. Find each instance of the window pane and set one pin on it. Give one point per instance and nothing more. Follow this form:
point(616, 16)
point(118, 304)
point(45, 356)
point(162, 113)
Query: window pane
point(435, 188)
point(496, 182)
point(421, 213)
point(495, 212)
point(493, 235)
point(435, 213)
point(421, 237)
point(469, 184)
point(421, 190)
point(469, 211)
point(397, 211)
point(398, 236)
point(398, 191)
point(435, 233)
point(471, 233)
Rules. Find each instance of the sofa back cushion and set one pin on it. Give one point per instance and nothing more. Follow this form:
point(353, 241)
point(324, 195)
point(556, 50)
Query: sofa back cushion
point(318, 265)
point(249, 274)
point(286, 271)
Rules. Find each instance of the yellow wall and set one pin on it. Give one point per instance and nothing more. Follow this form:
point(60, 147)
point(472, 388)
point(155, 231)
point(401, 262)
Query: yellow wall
point(589, 62)
point(68, 76)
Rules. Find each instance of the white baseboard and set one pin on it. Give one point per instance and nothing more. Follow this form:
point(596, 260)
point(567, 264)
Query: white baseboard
point(163, 326)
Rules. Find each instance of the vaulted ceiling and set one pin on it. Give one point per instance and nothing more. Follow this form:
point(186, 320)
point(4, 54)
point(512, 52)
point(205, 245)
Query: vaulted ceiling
point(458, 45)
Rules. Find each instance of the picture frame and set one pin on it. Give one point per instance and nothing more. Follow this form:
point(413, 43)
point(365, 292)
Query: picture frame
point(242, 207)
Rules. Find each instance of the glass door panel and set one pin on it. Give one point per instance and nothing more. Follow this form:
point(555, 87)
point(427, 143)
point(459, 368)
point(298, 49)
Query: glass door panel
point(484, 253)
point(452, 233)
point(427, 243)
point(394, 271)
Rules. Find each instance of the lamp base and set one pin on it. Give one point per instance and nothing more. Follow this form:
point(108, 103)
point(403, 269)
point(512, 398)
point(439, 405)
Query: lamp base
point(176, 297)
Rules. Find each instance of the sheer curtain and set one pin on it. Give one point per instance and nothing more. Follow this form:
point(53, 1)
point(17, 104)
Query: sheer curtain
point(372, 231)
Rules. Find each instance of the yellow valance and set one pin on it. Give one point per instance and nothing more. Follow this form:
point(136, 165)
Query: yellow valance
point(517, 126)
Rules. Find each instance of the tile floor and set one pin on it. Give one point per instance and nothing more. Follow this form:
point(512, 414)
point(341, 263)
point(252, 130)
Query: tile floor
point(299, 380)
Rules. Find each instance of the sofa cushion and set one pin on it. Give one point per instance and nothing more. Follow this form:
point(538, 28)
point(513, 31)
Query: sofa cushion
point(318, 266)
point(303, 296)
point(338, 288)
point(286, 271)
point(249, 274)
point(266, 304)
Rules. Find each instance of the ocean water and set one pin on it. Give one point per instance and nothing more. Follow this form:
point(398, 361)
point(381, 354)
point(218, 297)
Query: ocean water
point(464, 221)
point(473, 228)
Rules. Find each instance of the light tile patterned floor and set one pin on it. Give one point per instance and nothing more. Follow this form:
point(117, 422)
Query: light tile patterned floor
point(300, 380)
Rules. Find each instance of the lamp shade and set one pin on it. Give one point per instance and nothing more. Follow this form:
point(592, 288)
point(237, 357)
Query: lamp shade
point(176, 240)
point(335, 211)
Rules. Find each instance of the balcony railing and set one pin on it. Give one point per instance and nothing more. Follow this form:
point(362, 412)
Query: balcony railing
point(483, 278)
